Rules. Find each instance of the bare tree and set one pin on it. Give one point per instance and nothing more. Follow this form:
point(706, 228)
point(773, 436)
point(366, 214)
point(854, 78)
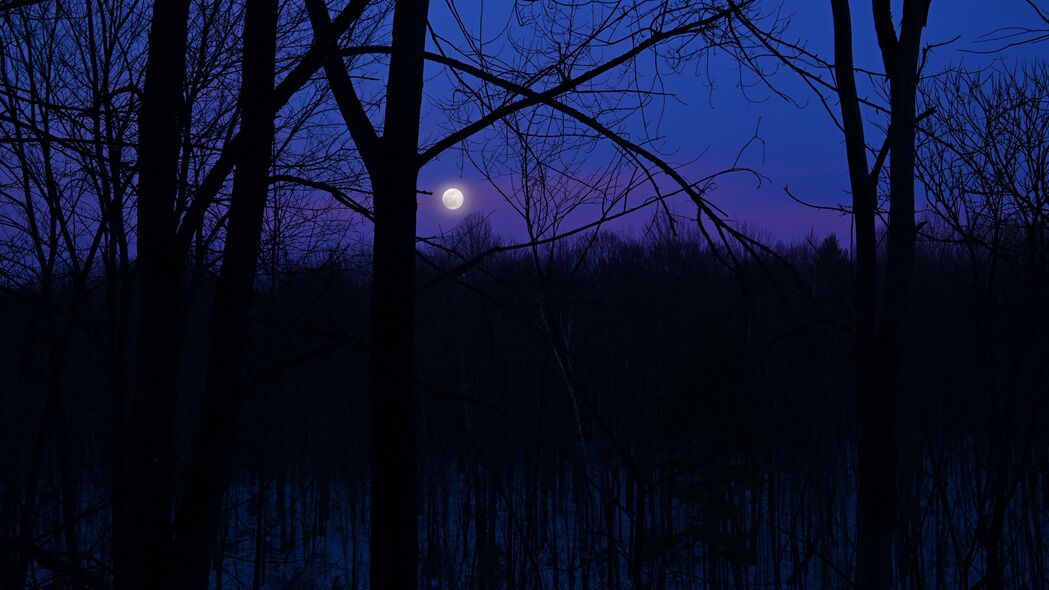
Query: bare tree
point(393, 162)
point(159, 266)
point(166, 231)
point(229, 332)
point(9, 5)
point(984, 167)
point(880, 333)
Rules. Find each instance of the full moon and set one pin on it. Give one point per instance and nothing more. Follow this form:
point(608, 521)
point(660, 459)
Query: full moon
point(452, 198)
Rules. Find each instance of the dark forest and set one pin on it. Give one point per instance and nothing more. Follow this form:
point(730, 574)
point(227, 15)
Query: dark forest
point(399, 294)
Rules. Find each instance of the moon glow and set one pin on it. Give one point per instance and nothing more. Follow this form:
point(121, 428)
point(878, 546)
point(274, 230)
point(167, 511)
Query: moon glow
point(452, 198)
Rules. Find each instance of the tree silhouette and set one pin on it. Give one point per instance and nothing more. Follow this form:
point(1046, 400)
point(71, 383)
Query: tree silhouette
point(233, 353)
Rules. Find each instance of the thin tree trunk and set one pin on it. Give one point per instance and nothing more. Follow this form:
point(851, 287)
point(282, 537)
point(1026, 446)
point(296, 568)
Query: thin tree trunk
point(229, 330)
point(258, 578)
point(878, 346)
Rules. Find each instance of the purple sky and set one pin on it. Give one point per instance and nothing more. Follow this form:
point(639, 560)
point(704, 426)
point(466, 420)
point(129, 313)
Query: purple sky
point(802, 148)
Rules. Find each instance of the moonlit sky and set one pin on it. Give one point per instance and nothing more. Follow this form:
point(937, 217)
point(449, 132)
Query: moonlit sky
point(802, 148)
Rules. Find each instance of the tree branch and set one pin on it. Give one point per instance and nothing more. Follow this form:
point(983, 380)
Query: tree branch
point(886, 31)
point(350, 107)
point(296, 79)
point(568, 85)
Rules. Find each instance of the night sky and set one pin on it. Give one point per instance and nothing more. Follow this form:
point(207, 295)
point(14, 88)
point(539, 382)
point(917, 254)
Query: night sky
point(707, 125)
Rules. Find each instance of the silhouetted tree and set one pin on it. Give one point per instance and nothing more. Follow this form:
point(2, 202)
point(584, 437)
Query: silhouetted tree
point(880, 330)
point(150, 462)
point(229, 332)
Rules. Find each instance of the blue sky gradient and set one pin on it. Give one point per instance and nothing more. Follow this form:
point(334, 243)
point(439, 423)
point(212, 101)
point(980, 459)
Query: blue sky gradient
point(800, 148)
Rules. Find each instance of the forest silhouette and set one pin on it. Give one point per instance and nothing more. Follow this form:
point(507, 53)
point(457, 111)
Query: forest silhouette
point(232, 357)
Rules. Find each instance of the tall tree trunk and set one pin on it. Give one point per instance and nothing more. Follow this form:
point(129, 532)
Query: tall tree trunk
point(875, 523)
point(150, 449)
point(878, 338)
point(229, 331)
point(878, 445)
point(394, 461)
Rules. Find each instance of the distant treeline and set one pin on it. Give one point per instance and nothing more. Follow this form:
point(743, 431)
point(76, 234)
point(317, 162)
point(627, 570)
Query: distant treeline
point(600, 412)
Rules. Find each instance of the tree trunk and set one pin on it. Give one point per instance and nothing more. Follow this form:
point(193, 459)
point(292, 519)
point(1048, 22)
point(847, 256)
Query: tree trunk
point(393, 429)
point(229, 330)
point(151, 422)
point(878, 345)
point(871, 553)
